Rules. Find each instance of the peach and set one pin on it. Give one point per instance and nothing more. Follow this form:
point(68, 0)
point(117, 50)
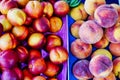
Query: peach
point(22, 3)
point(111, 76)
point(39, 78)
point(16, 16)
point(90, 32)
point(116, 67)
point(61, 8)
point(102, 52)
point(78, 13)
point(112, 33)
point(102, 43)
point(80, 49)
point(34, 9)
point(37, 66)
point(52, 41)
point(55, 24)
point(6, 5)
point(36, 40)
point(91, 5)
point(27, 75)
point(52, 69)
point(41, 24)
point(53, 79)
point(8, 59)
point(81, 71)
point(75, 28)
point(56, 55)
point(19, 73)
point(5, 23)
point(20, 32)
point(106, 16)
point(100, 66)
point(115, 49)
point(33, 53)
point(117, 7)
point(7, 41)
point(1, 29)
point(22, 53)
point(48, 9)
point(9, 75)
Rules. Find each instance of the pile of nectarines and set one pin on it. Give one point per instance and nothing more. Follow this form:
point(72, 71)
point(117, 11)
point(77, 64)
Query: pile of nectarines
point(28, 27)
point(96, 26)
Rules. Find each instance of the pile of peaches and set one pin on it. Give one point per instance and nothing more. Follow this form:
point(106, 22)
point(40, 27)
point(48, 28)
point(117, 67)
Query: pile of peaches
point(26, 28)
point(96, 26)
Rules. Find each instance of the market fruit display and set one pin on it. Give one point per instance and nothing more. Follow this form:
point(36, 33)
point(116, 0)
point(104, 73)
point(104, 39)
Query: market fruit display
point(94, 38)
point(32, 45)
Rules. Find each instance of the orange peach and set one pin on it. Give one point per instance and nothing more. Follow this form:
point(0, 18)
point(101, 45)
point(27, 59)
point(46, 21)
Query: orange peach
point(48, 9)
point(115, 49)
point(39, 78)
point(41, 24)
point(116, 67)
point(16, 16)
point(52, 41)
point(80, 49)
point(75, 28)
point(53, 79)
point(100, 66)
point(91, 5)
point(20, 32)
point(78, 13)
point(34, 9)
point(56, 55)
point(52, 69)
point(90, 32)
point(36, 40)
point(7, 41)
point(5, 23)
point(27, 75)
point(102, 52)
point(6, 5)
point(22, 3)
point(106, 16)
point(55, 24)
point(102, 43)
point(81, 70)
point(111, 76)
point(61, 8)
point(112, 33)
point(33, 53)
point(37, 66)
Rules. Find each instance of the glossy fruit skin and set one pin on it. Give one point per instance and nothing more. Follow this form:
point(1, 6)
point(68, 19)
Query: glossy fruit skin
point(37, 66)
point(22, 53)
point(53, 41)
point(36, 40)
point(41, 24)
point(9, 75)
point(7, 41)
point(57, 53)
point(8, 59)
point(52, 69)
point(61, 8)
